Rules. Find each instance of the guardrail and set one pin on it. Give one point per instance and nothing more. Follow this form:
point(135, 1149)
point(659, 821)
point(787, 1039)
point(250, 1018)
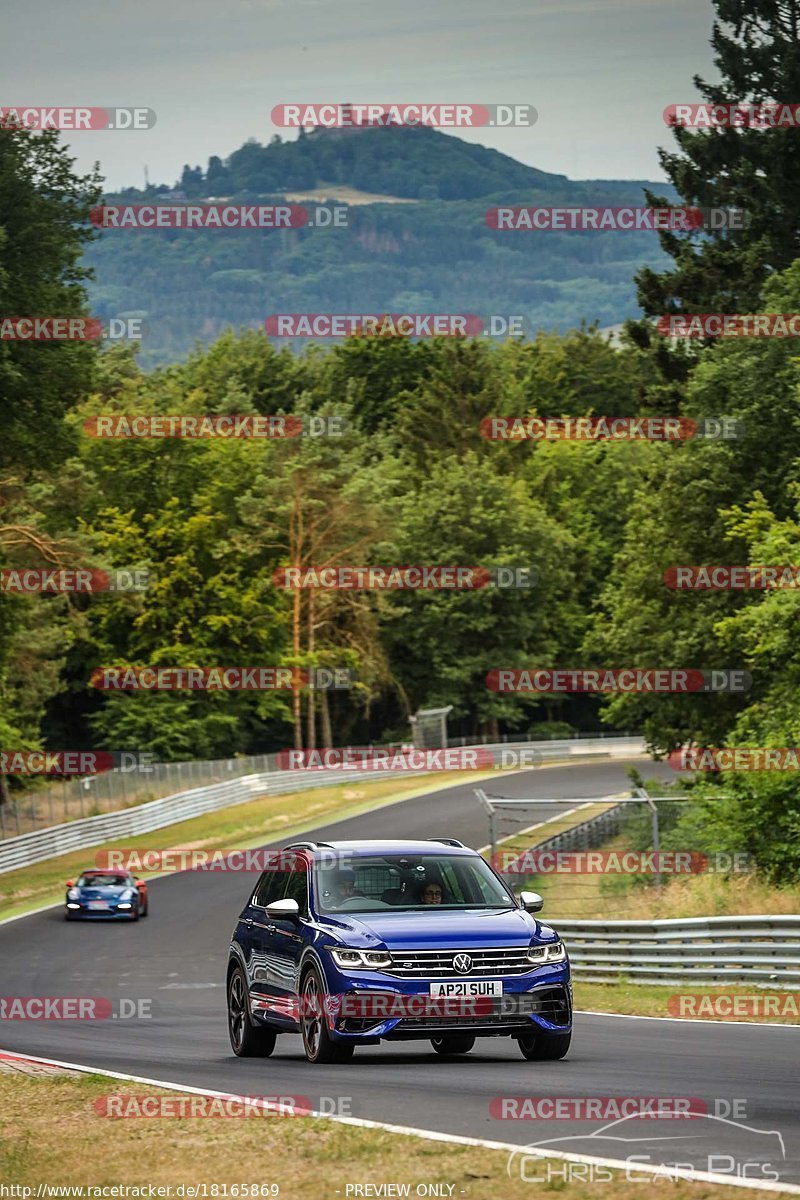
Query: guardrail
point(751, 950)
point(760, 950)
point(30, 848)
point(584, 836)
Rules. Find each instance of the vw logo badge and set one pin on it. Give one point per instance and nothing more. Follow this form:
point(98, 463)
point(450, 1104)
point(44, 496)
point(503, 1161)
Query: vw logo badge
point(462, 963)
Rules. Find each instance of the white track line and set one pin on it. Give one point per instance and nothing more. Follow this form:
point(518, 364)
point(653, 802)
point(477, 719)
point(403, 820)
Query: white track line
point(433, 1135)
point(33, 912)
point(591, 1012)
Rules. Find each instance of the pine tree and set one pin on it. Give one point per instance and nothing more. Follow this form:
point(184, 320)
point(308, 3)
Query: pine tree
point(757, 53)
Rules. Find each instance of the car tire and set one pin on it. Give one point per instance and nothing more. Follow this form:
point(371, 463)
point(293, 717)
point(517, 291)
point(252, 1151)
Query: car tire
point(451, 1044)
point(146, 909)
point(544, 1047)
point(247, 1040)
point(318, 1045)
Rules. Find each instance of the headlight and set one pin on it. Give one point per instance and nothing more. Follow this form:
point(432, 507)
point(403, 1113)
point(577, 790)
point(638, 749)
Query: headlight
point(361, 960)
point(73, 893)
point(555, 952)
point(128, 894)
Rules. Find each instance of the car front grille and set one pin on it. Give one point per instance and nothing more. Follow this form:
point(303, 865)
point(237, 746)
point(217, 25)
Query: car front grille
point(513, 1009)
point(486, 963)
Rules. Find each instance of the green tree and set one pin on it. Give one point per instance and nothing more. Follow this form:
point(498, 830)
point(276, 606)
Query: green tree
point(754, 169)
point(44, 225)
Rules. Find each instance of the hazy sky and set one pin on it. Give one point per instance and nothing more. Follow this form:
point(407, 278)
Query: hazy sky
point(600, 72)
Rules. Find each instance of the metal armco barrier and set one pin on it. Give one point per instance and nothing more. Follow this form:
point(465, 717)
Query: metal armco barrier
point(35, 847)
point(718, 950)
point(758, 950)
point(584, 836)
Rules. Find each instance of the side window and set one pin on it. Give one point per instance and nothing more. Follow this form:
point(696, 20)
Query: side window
point(271, 886)
point(297, 889)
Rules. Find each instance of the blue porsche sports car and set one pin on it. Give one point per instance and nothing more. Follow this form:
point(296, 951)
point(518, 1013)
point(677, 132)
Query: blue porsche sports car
point(351, 943)
point(105, 895)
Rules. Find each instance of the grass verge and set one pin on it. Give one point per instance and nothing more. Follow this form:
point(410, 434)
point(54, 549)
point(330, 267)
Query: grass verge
point(652, 1000)
point(238, 827)
point(51, 1134)
point(609, 896)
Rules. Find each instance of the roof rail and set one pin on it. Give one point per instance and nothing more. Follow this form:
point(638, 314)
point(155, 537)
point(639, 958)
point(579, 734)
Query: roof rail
point(308, 846)
point(448, 842)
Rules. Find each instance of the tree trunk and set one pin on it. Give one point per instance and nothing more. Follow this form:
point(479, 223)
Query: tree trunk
point(325, 720)
point(296, 705)
point(311, 711)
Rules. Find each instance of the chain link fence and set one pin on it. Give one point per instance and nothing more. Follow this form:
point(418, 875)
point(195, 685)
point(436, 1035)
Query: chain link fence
point(55, 803)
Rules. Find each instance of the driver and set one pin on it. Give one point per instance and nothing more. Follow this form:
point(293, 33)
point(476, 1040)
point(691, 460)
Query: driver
point(343, 887)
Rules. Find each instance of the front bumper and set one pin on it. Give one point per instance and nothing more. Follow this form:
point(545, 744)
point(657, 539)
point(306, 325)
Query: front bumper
point(540, 999)
point(84, 913)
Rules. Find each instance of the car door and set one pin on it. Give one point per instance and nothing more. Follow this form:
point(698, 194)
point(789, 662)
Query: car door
point(256, 937)
point(289, 938)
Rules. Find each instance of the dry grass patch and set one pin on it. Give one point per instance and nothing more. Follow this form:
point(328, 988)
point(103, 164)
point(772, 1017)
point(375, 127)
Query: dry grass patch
point(237, 827)
point(51, 1134)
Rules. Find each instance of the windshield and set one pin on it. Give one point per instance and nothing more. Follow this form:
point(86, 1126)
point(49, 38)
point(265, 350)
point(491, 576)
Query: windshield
point(413, 881)
point(103, 881)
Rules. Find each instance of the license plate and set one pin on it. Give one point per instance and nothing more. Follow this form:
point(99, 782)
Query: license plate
point(468, 987)
point(98, 904)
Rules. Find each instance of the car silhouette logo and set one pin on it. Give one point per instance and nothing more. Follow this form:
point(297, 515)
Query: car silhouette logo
point(462, 963)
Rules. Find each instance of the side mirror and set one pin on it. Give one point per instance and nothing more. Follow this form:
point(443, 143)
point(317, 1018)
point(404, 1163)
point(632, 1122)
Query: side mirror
point(531, 901)
point(283, 910)
point(140, 883)
point(70, 883)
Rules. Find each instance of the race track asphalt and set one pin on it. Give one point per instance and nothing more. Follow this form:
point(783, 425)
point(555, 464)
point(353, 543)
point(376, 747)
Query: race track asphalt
point(176, 959)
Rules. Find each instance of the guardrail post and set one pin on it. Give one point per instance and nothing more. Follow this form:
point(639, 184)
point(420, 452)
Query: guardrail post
point(655, 833)
point(487, 804)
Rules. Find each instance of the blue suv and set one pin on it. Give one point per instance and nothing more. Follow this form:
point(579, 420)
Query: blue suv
point(351, 943)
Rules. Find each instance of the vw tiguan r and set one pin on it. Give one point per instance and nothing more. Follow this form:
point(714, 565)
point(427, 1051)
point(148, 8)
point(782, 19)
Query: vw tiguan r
point(351, 943)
